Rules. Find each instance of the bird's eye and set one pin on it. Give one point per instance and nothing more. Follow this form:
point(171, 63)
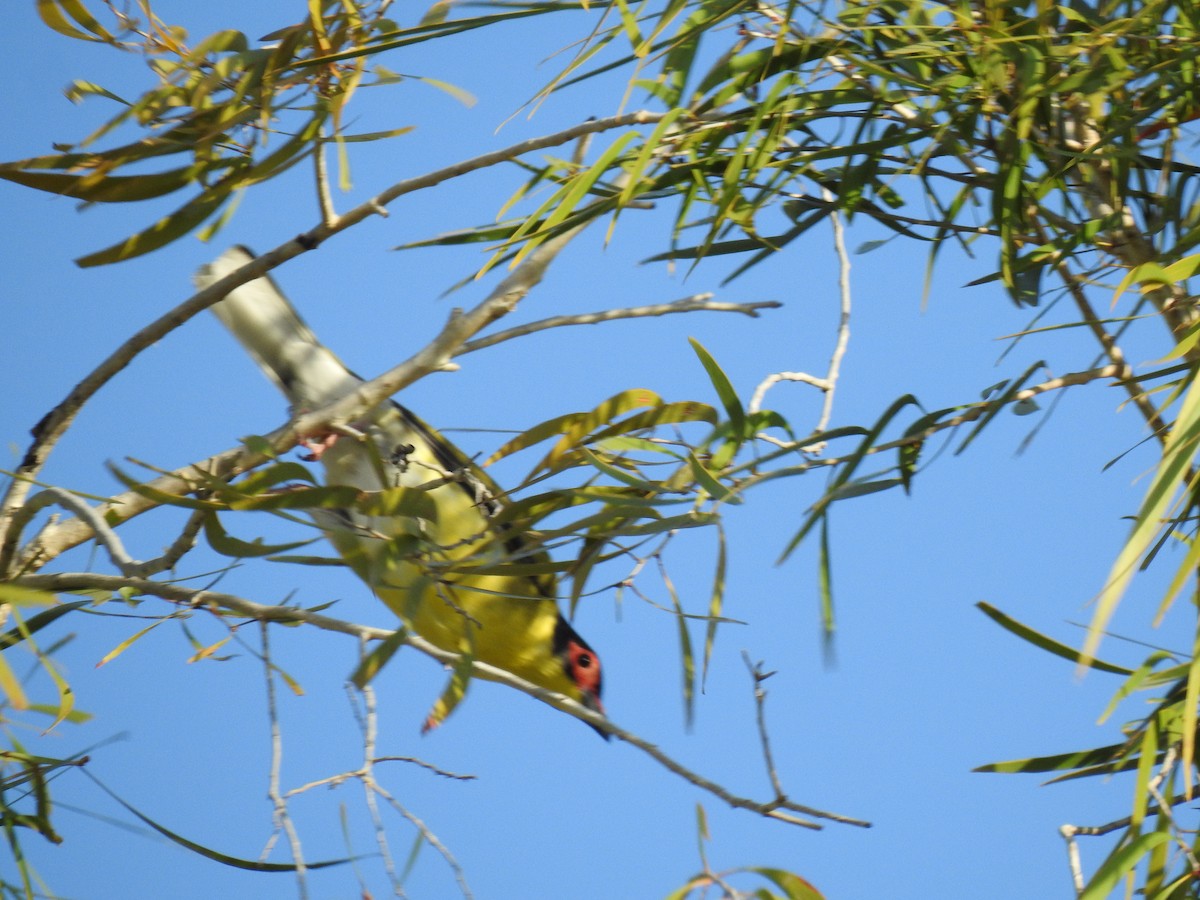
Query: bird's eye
point(584, 661)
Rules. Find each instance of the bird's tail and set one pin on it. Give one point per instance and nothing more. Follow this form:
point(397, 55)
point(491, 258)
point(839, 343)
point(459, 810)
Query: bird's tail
point(270, 329)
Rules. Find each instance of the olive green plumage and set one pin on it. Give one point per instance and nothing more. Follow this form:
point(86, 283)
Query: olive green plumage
point(424, 567)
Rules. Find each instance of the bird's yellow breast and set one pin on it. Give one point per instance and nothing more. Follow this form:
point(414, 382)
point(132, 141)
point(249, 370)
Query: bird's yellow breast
point(423, 567)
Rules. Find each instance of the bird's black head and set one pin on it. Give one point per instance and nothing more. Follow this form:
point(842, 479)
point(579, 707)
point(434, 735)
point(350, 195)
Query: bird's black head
point(582, 667)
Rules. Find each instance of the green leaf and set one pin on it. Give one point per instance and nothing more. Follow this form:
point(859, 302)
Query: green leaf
point(373, 662)
point(686, 656)
point(1102, 884)
point(847, 469)
point(167, 229)
point(10, 685)
point(18, 595)
point(825, 588)
point(35, 623)
point(97, 188)
point(328, 496)
point(158, 496)
point(1047, 643)
point(376, 135)
point(456, 689)
point(208, 853)
point(793, 886)
point(268, 476)
point(1079, 759)
point(724, 388)
point(128, 642)
point(908, 455)
point(466, 98)
point(227, 545)
point(715, 603)
point(709, 483)
point(1178, 453)
point(55, 12)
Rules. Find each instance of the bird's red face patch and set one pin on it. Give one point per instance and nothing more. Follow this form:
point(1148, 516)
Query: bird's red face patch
point(584, 668)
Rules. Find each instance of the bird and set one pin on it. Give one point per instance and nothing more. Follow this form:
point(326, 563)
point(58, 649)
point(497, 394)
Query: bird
point(426, 569)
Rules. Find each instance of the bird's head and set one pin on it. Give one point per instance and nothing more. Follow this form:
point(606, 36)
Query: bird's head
point(581, 665)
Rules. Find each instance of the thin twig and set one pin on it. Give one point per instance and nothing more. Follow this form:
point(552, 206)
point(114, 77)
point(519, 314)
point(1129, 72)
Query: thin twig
point(760, 703)
point(1073, 861)
point(843, 331)
point(283, 821)
point(106, 536)
point(828, 384)
point(368, 720)
point(1111, 348)
point(216, 601)
point(369, 726)
point(432, 839)
point(695, 303)
point(321, 176)
point(1165, 809)
point(760, 392)
point(117, 553)
point(425, 765)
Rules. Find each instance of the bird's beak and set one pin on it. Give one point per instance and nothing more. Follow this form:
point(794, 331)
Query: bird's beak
point(592, 702)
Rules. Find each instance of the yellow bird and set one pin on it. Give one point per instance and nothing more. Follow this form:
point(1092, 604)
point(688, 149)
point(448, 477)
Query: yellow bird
point(424, 568)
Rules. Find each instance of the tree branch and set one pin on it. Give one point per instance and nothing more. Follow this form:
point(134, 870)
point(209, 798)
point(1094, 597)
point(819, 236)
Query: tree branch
point(779, 808)
point(55, 423)
point(695, 303)
point(970, 414)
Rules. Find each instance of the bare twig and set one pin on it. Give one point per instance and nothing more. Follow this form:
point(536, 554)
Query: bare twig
point(760, 703)
point(367, 719)
point(1076, 865)
point(218, 602)
point(321, 176)
point(828, 384)
point(1170, 758)
point(283, 821)
point(368, 723)
point(1112, 350)
point(695, 303)
point(760, 392)
point(105, 535)
point(430, 766)
point(843, 331)
point(432, 839)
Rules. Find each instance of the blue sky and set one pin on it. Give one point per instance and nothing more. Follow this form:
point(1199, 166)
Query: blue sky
point(924, 687)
